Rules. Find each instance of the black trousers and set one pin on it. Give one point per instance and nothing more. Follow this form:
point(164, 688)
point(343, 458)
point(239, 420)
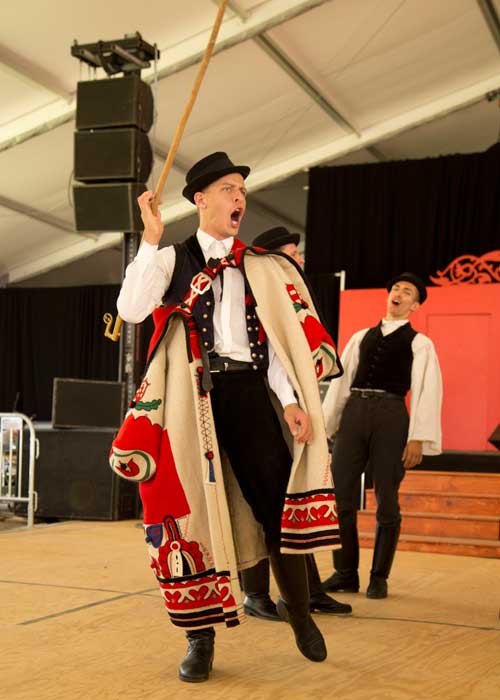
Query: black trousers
point(249, 431)
point(374, 431)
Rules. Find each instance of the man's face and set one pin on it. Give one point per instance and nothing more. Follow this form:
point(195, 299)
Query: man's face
point(221, 206)
point(293, 252)
point(402, 300)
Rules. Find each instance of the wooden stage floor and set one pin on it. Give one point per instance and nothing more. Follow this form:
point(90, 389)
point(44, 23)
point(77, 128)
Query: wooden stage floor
point(81, 618)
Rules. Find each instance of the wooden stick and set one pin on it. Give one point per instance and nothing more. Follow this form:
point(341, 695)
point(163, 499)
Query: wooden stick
point(189, 106)
point(108, 319)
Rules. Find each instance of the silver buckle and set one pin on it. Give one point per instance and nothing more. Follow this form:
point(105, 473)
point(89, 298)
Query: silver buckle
point(368, 393)
point(217, 371)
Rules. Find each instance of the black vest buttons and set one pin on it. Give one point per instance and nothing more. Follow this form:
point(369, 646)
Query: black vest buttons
point(252, 345)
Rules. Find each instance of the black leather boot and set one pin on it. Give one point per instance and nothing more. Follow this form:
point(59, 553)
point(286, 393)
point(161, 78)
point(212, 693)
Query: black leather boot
point(386, 541)
point(291, 576)
point(197, 664)
point(318, 600)
point(345, 560)
point(255, 585)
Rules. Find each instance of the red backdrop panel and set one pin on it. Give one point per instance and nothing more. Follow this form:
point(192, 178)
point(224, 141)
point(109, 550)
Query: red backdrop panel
point(464, 324)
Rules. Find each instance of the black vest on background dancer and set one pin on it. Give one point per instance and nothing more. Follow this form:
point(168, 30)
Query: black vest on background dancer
point(385, 362)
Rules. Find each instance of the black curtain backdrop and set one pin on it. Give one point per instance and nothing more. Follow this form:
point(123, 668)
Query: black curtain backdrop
point(326, 289)
point(378, 220)
point(47, 333)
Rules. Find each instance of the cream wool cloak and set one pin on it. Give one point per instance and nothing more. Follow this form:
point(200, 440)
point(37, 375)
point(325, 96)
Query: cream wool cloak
point(199, 529)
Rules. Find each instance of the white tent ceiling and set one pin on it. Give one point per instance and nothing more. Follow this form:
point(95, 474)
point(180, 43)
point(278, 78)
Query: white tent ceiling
point(292, 84)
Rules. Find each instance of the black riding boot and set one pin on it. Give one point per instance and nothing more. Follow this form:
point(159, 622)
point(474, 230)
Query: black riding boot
point(319, 601)
point(291, 576)
point(255, 585)
point(197, 663)
point(345, 560)
point(386, 541)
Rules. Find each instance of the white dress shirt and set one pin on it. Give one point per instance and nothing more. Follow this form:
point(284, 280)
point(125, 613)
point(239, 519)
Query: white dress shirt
point(149, 276)
point(426, 388)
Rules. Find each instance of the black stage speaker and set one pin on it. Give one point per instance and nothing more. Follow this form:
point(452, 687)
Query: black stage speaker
point(87, 403)
point(495, 437)
point(108, 207)
point(73, 478)
point(115, 102)
point(112, 154)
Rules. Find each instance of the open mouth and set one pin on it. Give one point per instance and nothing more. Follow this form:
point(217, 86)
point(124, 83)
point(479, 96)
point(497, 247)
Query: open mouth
point(236, 217)
point(396, 302)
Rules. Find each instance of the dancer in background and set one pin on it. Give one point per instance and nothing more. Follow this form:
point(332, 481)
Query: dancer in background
point(365, 410)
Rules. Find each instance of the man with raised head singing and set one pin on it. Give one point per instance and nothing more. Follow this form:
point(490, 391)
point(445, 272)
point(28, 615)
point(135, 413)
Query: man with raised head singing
point(221, 488)
point(367, 408)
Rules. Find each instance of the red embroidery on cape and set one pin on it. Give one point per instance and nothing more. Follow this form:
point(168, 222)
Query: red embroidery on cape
point(201, 602)
point(310, 511)
point(165, 491)
point(142, 390)
point(198, 593)
point(194, 597)
point(176, 556)
point(320, 342)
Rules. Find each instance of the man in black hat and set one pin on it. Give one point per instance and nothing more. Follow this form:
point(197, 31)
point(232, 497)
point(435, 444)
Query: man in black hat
point(367, 408)
point(255, 580)
point(238, 359)
point(280, 238)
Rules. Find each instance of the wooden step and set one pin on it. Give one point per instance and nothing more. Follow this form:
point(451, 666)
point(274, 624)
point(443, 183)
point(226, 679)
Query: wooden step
point(441, 545)
point(443, 502)
point(444, 512)
point(455, 482)
point(482, 527)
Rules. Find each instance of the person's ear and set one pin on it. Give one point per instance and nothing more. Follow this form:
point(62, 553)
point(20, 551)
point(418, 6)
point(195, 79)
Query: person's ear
point(199, 200)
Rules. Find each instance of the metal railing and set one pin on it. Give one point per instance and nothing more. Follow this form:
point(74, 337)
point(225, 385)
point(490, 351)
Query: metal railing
point(12, 462)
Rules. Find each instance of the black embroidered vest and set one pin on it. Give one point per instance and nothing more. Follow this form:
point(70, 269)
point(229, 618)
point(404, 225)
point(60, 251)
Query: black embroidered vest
point(189, 260)
point(385, 362)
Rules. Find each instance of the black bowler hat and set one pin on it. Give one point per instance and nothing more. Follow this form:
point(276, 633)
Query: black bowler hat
point(414, 279)
point(274, 238)
point(208, 170)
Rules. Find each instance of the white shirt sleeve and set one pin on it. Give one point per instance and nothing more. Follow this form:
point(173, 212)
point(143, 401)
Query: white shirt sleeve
point(278, 379)
point(146, 280)
point(426, 396)
point(340, 389)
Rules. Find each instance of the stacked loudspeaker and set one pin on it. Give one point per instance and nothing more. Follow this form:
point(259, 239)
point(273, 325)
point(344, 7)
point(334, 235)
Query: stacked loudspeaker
point(113, 157)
